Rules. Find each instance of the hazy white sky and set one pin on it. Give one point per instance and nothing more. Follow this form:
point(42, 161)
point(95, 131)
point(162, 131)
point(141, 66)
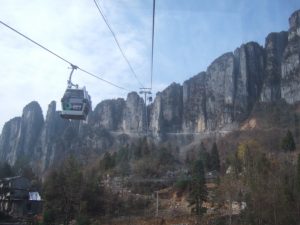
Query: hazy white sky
point(189, 35)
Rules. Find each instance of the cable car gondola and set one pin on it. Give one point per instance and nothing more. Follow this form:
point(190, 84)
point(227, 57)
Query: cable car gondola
point(76, 102)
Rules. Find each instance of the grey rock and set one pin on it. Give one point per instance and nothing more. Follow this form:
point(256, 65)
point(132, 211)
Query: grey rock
point(133, 118)
point(294, 20)
point(166, 111)
point(220, 90)
point(21, 135)
point(8, 140)
point(48, 149)
point(290, 67)
point(108, 114)
point(274, 48)
point(194, 104)
point(249, 76)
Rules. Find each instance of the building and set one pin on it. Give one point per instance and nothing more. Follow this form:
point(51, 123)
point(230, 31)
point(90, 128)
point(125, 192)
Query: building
point(17, 199)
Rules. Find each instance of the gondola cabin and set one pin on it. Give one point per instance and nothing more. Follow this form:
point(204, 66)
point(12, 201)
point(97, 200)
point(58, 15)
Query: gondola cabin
point(76, 104)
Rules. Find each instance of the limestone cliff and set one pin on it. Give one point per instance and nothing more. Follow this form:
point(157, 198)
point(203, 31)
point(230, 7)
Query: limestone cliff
point(20, 135)
point(194, 104)
point(274, 48)
point(166, 111)
point(223, 95)
point(290, 65)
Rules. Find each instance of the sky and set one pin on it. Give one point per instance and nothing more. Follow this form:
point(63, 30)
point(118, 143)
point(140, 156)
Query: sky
point(189, 35)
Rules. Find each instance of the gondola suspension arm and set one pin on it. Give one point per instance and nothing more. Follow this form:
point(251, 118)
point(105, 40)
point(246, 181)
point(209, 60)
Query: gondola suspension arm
point(70, 84)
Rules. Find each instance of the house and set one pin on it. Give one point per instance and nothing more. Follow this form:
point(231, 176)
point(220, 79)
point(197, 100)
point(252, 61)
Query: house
point(17, 199)
point(212, 176)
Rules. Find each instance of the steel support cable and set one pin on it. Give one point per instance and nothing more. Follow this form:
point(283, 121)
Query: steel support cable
point(63, 59)
point(152, 49)
point(117, 42)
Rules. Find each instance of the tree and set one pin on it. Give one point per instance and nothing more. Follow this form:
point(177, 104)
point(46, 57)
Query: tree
point(298, 175)
point(198, 191)
point(108, 161)
point(288, 143)
point(214, 158)
point(298, 184)
point(93, 201)
point(204, 156)
point(228, 191)
point(6, 170)
point(63, 191)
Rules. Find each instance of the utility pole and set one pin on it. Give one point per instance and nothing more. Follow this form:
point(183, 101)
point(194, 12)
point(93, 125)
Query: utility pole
point(145, 92)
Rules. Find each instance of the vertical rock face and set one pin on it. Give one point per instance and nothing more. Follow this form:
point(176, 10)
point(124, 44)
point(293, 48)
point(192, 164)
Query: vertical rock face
point(155, 115)
point(290, 68)
point(31, 125)
point(120, 115)
point(194, 104)
point(133, 114)
point(48, 150)
point(274, 48)
point(249, 76)
point(20, 135)
point(8, 140)
point(294, 21)
point(166, 112)
point(108, 114)
point(220, 91)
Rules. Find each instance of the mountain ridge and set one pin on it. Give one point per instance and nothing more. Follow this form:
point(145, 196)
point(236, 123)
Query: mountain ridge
point(222, 97)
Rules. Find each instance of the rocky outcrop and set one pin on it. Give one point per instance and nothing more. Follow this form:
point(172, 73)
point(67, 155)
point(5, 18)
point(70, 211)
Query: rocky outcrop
point(213, 100)
point(194, 104)
point(166, 111)
point(290, 67)
point(134, 116)
point(120, 115)
point(108, 114)
point(220, 91)
point(274, 48)
point(20, 135)
point(48, 149)
point(8, 140)
point(249, 76)
point(31, 126)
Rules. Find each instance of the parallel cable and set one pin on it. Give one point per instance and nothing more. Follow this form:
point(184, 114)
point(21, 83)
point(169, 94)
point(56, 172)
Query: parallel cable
point(117, 42)
point(63, 59)
point(152, 50)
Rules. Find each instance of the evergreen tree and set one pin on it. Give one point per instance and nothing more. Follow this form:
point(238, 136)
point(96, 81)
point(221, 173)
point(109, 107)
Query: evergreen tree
point(288, 143)
point(214, 158)
point(198, 191)
point(6, 170)
point(108, 162)
point(297, 186)
point(298, 176)
point(204, 156)
point(63, 191)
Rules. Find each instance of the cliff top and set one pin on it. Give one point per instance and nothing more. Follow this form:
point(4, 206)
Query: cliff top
point(294, 20)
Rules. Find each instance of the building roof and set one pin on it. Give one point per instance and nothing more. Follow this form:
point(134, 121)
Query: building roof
point(10, 178)
point(34, 196)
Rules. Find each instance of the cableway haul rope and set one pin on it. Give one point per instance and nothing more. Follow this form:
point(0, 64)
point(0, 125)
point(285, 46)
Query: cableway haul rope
point(117, 42)
point(61, 58)
point(152, 49)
